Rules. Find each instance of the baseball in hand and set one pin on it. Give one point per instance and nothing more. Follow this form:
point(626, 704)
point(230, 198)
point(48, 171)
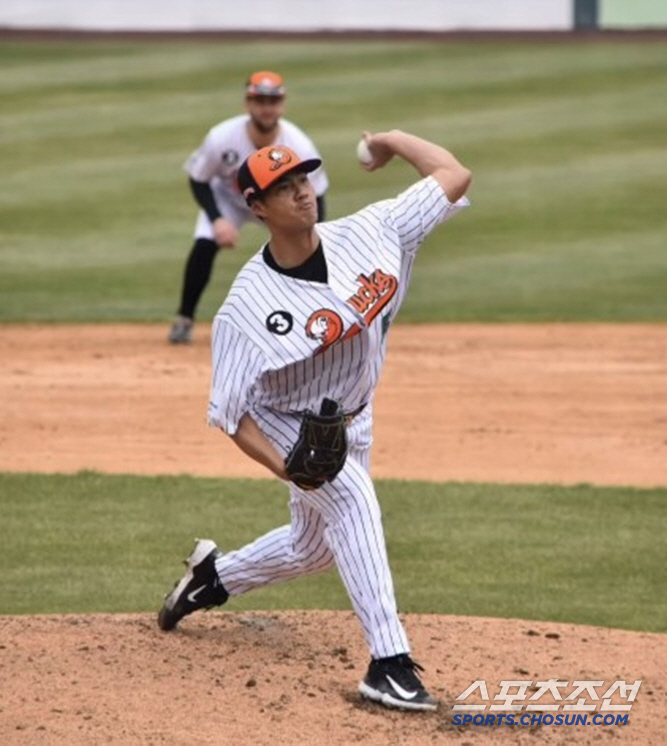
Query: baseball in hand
point(364, 154)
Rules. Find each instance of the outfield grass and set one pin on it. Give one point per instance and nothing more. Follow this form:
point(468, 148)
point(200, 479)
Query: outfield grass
point(567, 142)
point(92, 543)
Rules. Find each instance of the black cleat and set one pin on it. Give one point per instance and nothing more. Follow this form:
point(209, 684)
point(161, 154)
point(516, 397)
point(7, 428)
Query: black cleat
point(199, 588)
point(394, 682)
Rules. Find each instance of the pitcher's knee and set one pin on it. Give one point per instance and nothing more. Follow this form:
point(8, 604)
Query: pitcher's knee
point(312, 562)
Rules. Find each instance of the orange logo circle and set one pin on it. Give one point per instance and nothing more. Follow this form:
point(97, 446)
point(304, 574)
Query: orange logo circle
point(325, 326)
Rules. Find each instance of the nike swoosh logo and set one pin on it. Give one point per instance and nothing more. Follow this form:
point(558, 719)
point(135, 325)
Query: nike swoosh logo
point(192, 596)
point(400, 691)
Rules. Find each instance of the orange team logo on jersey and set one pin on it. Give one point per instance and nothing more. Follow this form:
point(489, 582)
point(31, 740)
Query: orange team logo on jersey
point(373, 294)
point(325, 326)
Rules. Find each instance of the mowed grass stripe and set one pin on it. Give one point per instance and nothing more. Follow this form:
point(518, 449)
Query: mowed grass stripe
point(562, 139)
point(89, 542)
point(115, 63)
point(514, 285)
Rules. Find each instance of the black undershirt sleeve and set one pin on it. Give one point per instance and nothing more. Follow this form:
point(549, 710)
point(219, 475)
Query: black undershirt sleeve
point(203, 194)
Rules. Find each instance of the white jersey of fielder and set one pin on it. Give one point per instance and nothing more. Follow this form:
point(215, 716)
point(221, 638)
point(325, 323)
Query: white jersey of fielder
point(282, 344)
point(219, 157)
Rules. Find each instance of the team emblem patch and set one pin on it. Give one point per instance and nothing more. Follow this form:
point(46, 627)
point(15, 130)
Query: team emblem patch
point(280, 322)
point(324, 326)
point(280, 158)
point(230, 158)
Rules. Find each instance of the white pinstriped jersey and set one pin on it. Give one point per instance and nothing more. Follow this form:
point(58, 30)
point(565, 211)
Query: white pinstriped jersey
point(281, 344)
point(227, 145)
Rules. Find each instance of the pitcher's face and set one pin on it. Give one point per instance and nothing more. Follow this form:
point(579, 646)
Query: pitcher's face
point(289, 204)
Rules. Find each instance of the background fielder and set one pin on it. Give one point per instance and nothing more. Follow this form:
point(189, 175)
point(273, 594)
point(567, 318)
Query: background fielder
point(306, 319)
point(212, 171)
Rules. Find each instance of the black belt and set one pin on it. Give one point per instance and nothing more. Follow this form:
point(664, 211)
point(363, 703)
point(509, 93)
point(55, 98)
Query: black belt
point(351, 415)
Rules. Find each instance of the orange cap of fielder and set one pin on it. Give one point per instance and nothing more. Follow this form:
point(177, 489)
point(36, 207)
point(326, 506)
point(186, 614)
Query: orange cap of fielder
point(265, 83)
point(266, 166)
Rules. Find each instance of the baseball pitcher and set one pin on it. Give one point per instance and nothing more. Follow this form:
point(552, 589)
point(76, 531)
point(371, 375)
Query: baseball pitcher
point(297, 349)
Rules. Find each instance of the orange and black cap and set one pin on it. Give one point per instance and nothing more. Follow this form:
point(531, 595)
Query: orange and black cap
point(266, 166)
point(265, 83)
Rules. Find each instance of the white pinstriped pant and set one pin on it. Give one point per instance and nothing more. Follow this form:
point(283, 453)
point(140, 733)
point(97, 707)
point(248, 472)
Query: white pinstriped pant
point(337, 525)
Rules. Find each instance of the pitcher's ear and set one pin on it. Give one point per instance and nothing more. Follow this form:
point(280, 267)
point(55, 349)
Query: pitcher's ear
point(258, 209)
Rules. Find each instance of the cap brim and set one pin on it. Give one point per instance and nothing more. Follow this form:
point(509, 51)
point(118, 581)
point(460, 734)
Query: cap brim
point(266, 93)
point(311, 164)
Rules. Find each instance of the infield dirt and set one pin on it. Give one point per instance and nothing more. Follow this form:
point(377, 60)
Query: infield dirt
point(511, 403)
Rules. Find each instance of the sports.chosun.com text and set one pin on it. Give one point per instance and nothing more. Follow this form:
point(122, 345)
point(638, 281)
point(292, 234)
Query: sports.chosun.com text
point(539, 718)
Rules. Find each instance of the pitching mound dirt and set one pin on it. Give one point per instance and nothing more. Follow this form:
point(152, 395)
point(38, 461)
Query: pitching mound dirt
point(509, 403)
point(291, 678)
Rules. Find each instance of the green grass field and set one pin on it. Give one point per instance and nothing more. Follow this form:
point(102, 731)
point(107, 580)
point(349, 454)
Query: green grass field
point(568, 145)
point(90, 542)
